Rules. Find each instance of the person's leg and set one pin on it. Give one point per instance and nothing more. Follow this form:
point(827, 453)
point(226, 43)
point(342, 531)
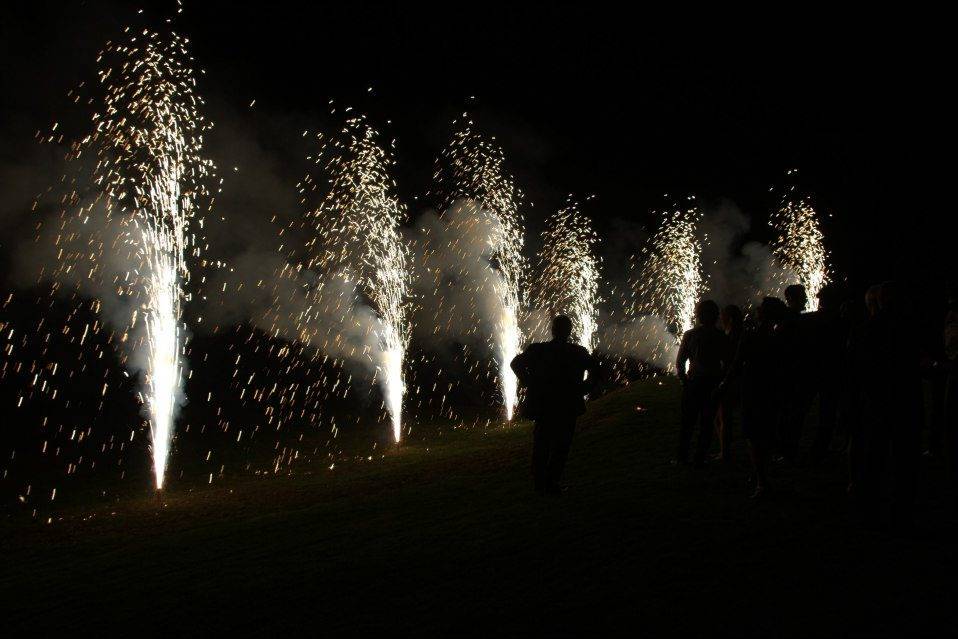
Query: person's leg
point(708, 407)
point(793, 420)
point(906, 452)
point(690, 414)
point(936, 424)
point(874, 476)
point(540, 454)
point(951, 430)
point(720, 428)
point(561, 443)
point(827, 417)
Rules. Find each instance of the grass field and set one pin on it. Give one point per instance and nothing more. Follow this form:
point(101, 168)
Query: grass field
point(449, 538)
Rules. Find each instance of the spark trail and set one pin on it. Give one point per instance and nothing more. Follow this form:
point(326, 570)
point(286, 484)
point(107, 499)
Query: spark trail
point(470, 171)
point(799, 244)
point(569, 271)
point(358, 240)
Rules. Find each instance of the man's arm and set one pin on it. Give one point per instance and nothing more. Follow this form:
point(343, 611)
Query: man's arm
point(520, 366)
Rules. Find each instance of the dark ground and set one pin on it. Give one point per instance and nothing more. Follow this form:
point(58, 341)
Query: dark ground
point(448, 539)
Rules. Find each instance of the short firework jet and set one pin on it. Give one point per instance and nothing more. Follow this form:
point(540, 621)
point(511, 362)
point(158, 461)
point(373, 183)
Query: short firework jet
point(568, 274)
point(149, 177)
point(671, 280)
point(470, 171)
point(358, 240)
point(799, 244)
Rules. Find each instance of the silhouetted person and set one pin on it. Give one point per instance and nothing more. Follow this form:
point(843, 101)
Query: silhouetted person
point(799, 381)
point(829, 348)
point(704, 349)
point(758, 362)
point(951, 391)
point(855, 314)
point(892, 405)
point(730, 398)
point(554, 375)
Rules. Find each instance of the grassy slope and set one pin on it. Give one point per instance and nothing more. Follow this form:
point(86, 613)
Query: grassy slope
point(449, 538)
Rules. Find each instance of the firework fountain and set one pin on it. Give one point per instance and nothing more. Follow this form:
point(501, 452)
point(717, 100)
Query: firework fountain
point(569, 271)
point(671, 280)
point(149, 176)
point(470, 171)
point(669, 284)
point(799, 244)
point(358, 241)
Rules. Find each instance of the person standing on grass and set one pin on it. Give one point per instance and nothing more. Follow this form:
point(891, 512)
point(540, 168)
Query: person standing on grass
point(557, 375)
point(758, 365)
point(733, 323)
point(700, 366)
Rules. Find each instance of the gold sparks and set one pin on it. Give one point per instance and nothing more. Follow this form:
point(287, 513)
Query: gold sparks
point(569, 271)
point(671, 278)
point(470, 171)
point(357, 239)
point(799, 244)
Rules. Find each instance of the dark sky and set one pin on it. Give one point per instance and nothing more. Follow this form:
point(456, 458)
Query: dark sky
point(588, 98)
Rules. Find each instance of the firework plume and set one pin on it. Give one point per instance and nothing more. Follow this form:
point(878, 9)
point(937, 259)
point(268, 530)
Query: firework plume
point(569, 271)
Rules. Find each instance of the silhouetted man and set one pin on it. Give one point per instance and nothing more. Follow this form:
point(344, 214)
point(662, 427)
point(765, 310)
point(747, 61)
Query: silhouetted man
point(892, 394)
point(800, 383)
point(830, 337)
point(758, 364)
point(554, 375)
point(705, 350)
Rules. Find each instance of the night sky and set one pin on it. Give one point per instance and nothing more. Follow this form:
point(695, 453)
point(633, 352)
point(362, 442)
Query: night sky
point(586, 99)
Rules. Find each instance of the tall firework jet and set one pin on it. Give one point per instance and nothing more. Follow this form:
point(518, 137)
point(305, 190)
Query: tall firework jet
point(147, 142)
point(357, 226)
point(799, 245)
point(569, 271)
point(470, 170)
point(671, 279)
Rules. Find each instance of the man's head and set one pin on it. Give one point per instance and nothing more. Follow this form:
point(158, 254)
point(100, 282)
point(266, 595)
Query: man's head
point(707, 313)
point(561, 328)
point(795, 297)
point(770, 311)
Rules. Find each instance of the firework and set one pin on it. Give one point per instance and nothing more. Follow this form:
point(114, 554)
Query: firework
point(569, 271)
point(671, 280)
point(471, 173)
point(148, 177)
point(799, 245)
point(358, 241)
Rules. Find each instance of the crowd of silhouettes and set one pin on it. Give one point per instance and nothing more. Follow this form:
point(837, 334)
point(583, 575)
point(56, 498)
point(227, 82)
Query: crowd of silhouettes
point(863, 362)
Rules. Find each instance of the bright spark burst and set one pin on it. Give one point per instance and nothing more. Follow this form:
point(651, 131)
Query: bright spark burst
point(148, 141)
point(569, 271)
point(799, 245)
point(471, 171)
point(357, 229)
point(671, 280)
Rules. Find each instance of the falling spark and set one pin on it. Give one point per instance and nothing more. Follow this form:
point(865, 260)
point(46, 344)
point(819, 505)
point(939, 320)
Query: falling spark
point(357, 226)
point(799, 245)
point(569, 271)
point(472, 173)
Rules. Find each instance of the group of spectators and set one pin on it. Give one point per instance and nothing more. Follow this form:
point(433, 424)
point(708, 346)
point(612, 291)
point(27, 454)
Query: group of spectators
point(864, 364)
